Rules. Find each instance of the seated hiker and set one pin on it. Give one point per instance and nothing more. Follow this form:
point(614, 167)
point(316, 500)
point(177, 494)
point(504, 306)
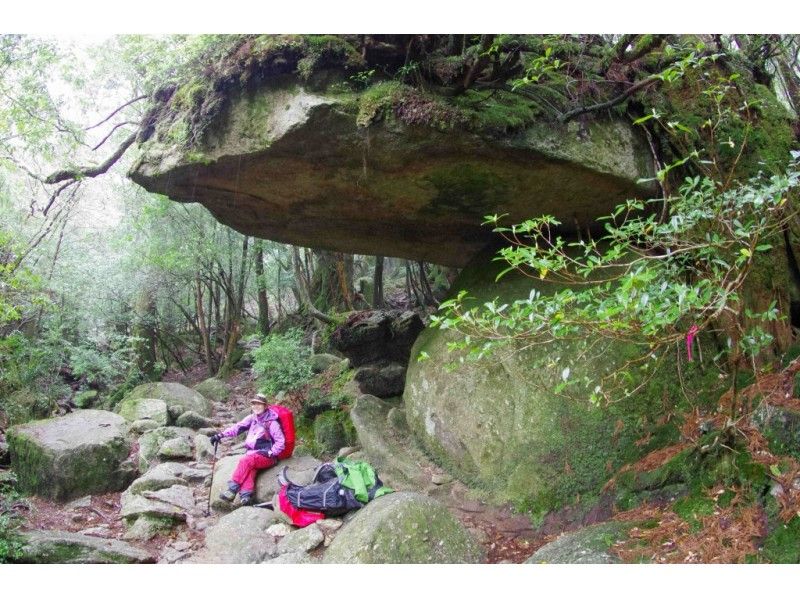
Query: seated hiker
point(265, 441)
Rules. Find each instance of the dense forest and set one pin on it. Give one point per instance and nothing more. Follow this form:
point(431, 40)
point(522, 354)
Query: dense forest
point(105, 286)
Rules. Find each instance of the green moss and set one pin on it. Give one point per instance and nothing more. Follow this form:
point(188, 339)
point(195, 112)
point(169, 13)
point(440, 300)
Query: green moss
point(333, 430)
point(376, 100)
point(783, 544)
point(692, 508)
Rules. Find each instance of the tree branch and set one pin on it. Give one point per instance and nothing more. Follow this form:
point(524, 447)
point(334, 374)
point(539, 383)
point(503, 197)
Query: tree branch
point(91, 171)
point(111, 132)
point(115, 111)
point(613, 102)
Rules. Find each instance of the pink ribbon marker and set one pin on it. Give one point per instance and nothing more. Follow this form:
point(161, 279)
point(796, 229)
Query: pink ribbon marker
point(690, 338)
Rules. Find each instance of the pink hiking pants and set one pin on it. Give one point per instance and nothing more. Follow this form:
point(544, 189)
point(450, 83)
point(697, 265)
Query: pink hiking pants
point(249, 465)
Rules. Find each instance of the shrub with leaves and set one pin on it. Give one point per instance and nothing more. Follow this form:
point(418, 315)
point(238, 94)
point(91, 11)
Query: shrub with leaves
point(282, 362)
point(652, 281)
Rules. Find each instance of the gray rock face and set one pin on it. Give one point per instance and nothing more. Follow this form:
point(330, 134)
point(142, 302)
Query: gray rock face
point(382, 379)
point(69, 548)
point(195, 421)
point(589, 545)
point(143, 408)
point(403, 527)
point(151, 443)
point(292, 165)
point(176, 448)
point(214, 389)
point(81, 453)
point(392, 452)
point(161, 476)
point(240, 537)
point(322, 361)
point(378, 336)
point(303, 540)
point(177, 397)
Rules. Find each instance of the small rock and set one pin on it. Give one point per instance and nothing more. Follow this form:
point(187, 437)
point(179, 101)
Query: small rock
point(170, 555)
point(182, 546)
point(207, 431)
point(201, 524)
point(195, 421)
point(140, 426)
point(78, 518)
point(441, 478)
point(176, 448)
point(80, 503)
point(100, 531)
point(303, 540)
point(328, 526)
point(279, 529)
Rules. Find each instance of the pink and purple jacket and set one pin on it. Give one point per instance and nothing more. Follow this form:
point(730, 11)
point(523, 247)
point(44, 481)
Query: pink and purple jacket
point(264, 434)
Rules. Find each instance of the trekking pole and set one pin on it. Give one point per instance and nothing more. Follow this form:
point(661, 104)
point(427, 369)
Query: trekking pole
point(211, 484)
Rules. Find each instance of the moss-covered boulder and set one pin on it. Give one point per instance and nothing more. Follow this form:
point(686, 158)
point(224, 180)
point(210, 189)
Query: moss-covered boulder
point(333, 430)
point(589, 545)
point(499, 421)
point(322, 361)
point(403, 527)
point(152, 442)
point(25, 405)
point(214, 389)
point(55, 547)
point(140, 408)
point(81, 453)
point(178, 398)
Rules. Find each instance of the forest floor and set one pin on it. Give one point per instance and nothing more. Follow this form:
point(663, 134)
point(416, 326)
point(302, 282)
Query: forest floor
point(727, 535)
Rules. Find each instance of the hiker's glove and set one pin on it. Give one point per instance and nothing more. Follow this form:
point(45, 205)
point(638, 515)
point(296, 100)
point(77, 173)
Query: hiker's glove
point(215, 439)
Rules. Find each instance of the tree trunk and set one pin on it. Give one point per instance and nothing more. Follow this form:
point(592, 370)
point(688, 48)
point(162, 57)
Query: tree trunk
point(261, 286)
point(377, 283)
point(201, 323)
point(144, 328)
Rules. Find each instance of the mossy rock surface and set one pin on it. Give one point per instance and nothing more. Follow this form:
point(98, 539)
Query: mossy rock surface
point(589, 545)
point(497, 422)
point(54, 547)
point(403, 527)
point(333, 430)
point(178, 398)
point(383, 186)
point(140, 408)
point(214, 389)
point(152, 441)
point(80, 453)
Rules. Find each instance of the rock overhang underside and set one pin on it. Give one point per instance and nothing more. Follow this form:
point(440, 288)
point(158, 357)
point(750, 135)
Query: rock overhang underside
point(293, 165)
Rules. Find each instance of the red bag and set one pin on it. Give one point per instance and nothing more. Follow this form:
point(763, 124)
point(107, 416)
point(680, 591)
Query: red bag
point(286, 420)
point(299, 517)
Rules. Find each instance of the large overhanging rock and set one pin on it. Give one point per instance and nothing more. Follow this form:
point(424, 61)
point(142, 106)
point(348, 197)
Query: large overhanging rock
point(292, 165)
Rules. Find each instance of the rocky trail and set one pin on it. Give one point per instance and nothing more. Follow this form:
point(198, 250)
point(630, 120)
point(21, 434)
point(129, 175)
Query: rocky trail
point(502, 535)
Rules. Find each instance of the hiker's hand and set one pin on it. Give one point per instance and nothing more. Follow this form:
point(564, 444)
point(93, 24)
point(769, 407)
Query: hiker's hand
point(215, 439)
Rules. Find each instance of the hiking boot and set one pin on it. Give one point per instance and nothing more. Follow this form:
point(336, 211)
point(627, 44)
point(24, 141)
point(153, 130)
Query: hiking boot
point(282, 479)
point(246, 499)
point(227, 495)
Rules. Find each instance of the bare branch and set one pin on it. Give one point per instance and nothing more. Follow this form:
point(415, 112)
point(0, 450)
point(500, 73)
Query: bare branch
point(111, 132)
point(115, 111)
